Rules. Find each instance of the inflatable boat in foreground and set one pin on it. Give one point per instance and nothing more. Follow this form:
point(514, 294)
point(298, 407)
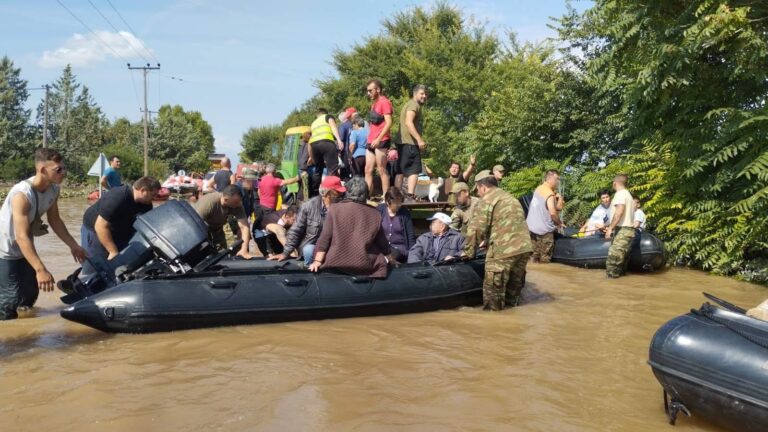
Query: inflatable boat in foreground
point(168, 278)
point(713, 363)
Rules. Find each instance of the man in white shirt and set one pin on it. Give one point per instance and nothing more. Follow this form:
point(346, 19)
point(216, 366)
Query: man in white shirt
point(596, 223)
point(622, 214)
point(639, 222)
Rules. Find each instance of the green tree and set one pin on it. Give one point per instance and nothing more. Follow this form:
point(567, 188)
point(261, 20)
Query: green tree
point(181, 138)
point(15, 139)
point(258, 141)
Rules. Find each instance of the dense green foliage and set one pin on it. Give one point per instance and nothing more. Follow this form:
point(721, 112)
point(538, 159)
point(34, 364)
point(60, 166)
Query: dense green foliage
point(672, 93)
point(257, 144)
point(77, 127)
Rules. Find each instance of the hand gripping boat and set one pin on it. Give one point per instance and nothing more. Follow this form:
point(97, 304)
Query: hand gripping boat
point(168, 279)
point(713, 363)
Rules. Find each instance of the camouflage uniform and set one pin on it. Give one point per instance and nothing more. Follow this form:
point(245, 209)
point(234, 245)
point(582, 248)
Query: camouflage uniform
point(618, 254)
point(461, 214)
point(499, 220)
point(543, 246)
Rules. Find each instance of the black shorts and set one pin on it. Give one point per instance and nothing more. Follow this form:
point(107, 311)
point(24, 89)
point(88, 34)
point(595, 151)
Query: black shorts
point(383, 146)
point(410, 160)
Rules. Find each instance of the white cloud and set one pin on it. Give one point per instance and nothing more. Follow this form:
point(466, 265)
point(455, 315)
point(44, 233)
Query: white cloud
point(85, 50)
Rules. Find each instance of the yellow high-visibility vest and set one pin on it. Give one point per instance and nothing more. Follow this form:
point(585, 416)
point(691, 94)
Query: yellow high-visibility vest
point(321, 130)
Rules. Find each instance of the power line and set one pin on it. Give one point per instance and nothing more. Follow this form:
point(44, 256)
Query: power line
point(118, 31)
point(132, 31)
point(92, 32)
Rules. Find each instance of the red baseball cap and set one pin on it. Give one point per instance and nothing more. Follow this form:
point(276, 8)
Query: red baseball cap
point(349, 111)
point(334, 183)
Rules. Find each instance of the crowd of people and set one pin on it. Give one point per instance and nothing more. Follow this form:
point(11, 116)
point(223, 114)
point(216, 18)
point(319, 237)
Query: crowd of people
point(335, 226)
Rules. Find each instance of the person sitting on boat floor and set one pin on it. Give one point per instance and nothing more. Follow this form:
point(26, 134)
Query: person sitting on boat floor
point(397, 224)
point(108, 223)
point(215, 209)
point(595, 225)
point(639, 222)
point(465, 204)
point(306, 230)
point(440, 243)
point(269, 234)
point(352, 239)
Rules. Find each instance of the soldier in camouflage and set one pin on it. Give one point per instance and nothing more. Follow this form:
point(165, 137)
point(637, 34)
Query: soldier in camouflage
point(465, 205)
point(622, 224)
point(499, 221)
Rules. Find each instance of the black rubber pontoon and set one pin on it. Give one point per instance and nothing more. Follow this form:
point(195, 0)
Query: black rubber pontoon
point(712, 364)
point(169, 278)
point(591, 252)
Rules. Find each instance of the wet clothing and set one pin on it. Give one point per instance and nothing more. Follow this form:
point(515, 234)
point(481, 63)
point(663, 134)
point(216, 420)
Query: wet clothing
point(117, 207)
point(503, 282)
point(398, 230)
point(381, 106)
point(499, 220)
point(353, 240)
point(618, 254)
point(432, 248)
point(18, 281)
point(113, 177)
point(39, 203)
point(543, 247)
point(222, 179)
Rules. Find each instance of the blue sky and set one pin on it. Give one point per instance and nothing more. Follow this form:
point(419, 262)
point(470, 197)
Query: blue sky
point(243, 63)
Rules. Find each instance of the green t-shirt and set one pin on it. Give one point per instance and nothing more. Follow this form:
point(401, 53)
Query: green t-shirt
point(405, 135)
point(213, 213)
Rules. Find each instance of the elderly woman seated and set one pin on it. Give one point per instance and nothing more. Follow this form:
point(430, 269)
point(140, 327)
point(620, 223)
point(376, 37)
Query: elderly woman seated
point(352, 239)
point(439, 244)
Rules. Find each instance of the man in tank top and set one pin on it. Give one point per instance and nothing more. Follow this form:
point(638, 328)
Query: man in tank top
point(543, 218)
point(22, 272)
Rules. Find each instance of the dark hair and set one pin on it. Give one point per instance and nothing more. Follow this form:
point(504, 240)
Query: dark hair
point(604, 192)
point(291, 210)
point(489, 181)
point(232, 191)
point(357, 190)
point(43, 155)
point(393, 194)
point(322, 111)
point(113, 157)
point(376, 82)
point(147, 183)
point(359, 122)
point(550, 173)
point(418, 87)
point(455, 163)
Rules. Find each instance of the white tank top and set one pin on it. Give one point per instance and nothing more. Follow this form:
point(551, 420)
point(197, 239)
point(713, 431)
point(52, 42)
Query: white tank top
point(9, 249)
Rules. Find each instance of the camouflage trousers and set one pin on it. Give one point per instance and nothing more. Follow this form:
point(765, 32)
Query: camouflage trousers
point(503, 282)
point(618, 255)
point(543, 245)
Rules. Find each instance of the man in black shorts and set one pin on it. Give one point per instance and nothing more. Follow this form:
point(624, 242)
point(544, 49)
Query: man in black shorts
point(412, 142)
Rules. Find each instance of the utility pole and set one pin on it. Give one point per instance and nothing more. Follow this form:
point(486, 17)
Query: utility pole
point(146, 69)
point(45, 117)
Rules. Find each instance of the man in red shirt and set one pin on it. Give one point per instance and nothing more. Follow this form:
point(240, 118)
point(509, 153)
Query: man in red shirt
point(380, 119)
point(269, 187)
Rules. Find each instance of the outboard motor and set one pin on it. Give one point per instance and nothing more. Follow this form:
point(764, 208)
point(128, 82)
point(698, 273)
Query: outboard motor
point(169, 239)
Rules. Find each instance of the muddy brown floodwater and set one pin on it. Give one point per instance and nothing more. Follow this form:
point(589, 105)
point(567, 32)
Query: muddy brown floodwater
point(575, 363)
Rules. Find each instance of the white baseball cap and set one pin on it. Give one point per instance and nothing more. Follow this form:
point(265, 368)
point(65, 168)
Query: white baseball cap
point(442, 217)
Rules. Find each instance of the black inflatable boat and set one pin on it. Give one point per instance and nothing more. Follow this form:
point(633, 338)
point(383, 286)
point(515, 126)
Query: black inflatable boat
point(713, 363)
point(168, 279)
point(591, 252)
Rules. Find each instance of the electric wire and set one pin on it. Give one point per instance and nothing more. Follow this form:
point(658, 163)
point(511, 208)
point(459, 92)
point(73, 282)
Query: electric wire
point(132, 31)
point(130, 44)
point(92, 32)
